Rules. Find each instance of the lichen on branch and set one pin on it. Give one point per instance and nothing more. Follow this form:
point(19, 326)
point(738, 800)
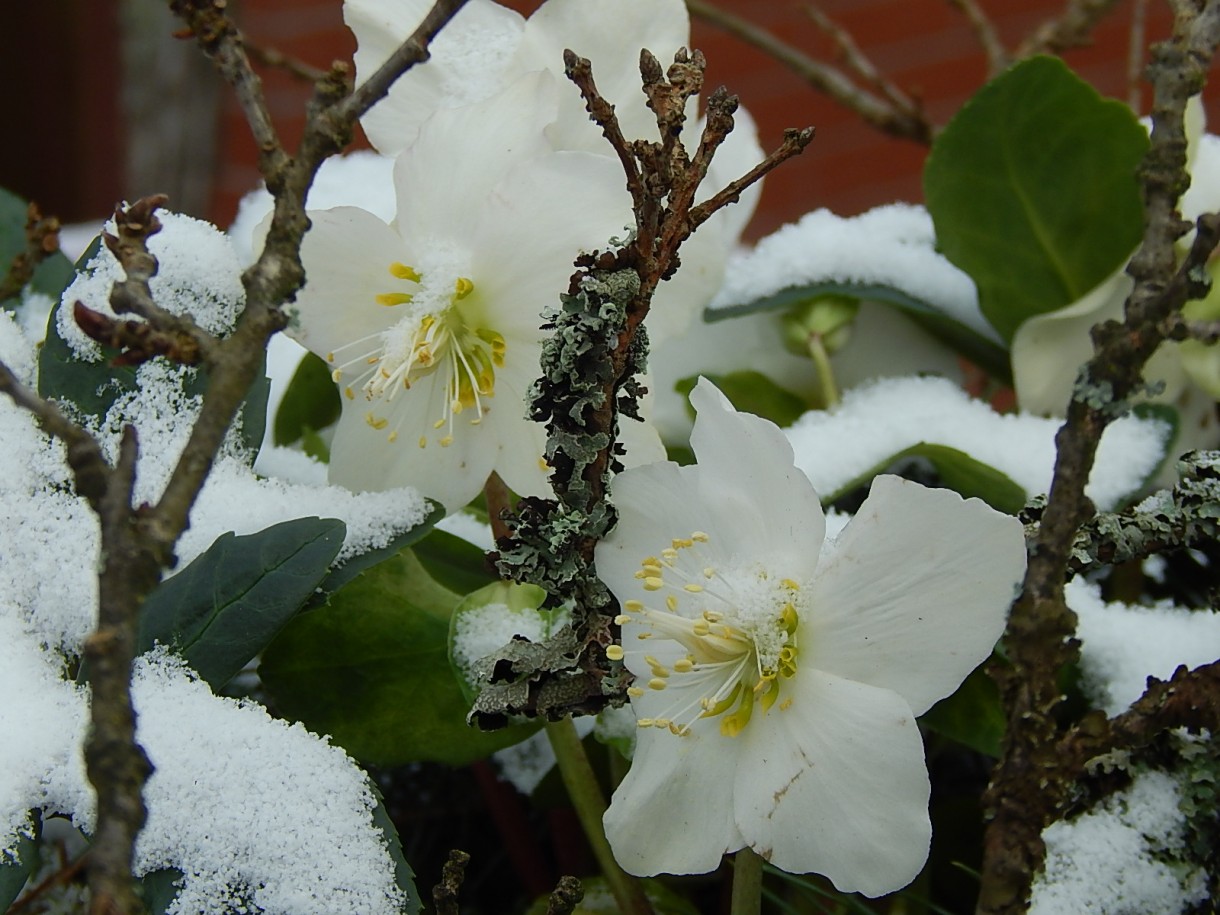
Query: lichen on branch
point(591, 366)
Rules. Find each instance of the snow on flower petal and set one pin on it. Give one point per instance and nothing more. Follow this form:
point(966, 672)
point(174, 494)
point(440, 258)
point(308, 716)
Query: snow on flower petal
point(752, 730)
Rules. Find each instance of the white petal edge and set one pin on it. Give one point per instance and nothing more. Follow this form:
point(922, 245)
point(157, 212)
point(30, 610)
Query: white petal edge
point(347, 253)
point(671, 814)
point(445, 179)
point(837, 785)
point(915, 593)
point(766, 508)
point(469, 60)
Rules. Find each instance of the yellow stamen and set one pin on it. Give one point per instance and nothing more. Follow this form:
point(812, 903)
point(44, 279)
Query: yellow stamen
point(403, 272)
point(390, 299)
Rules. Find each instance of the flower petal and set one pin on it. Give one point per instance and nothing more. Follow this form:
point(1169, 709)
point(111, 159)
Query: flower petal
point(467, 64)
point(1049, 349)
point(835, 784)
point(472, 147)
point(752, 490)
point(610, 33)
point(522, 442)
point(363, 460)
point(670, 815)
point(915, 593)
point(655, 503)
point(347, 254)
point(539, 218)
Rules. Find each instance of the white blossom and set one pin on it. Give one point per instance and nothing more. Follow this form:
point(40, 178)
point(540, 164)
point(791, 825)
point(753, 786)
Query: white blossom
point(778, 680)
point(431, 324)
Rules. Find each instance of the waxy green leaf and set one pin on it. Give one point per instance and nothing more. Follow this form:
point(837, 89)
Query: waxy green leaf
point(15, 873)
point(223, 609)
point(1032, 189)
point(751, 392)
point(957, 470)
point(311, 402)
point(52, 275)
point(371, 669)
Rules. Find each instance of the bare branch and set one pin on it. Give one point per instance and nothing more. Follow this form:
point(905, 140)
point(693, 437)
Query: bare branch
point(84, 454)
point(590, 369)
point(1072, 28)
point(857, 61)
point(565, 897)
point(1136, 43)
point(161, 333)
point(1031, 783)
point(411, 52)
point(41, 241)
point(985, 32)
point(117, 765)
point(794, 143)
point(270, 57)
point(445, 894)
point(208, 22)
point(909, 124)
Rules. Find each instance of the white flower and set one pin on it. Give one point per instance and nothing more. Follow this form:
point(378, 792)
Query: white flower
point(778, 680)
point(432, 323)
point(487, 46)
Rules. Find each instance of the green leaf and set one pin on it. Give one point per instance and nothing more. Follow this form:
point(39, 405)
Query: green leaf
point(315, 446)
point(222, 609)
point(254, 411)
point(752, 392)
point(455, 563)
point(339, 577)
point(985, 353)
point(957, 470)
point(15, 874)
point(1032, 189)
point(371, 669)
point(159, 889)
point(403, 875)
point(311, 402)
point(93, 387)
point(972, 716)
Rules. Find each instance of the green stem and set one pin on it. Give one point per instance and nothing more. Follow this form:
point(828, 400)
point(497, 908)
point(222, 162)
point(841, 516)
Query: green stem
point(826, 374)
point(747, 883)
point(590, 804)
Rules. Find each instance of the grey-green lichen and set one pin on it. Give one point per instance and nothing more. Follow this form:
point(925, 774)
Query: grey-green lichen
point(587, 381)
point(1185, 516)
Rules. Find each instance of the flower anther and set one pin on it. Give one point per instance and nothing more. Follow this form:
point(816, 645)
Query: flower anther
point(738, 626)
point(435, 334)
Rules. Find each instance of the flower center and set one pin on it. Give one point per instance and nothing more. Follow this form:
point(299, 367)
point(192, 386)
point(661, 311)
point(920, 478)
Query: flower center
point(433, 335)
point(738, 629)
